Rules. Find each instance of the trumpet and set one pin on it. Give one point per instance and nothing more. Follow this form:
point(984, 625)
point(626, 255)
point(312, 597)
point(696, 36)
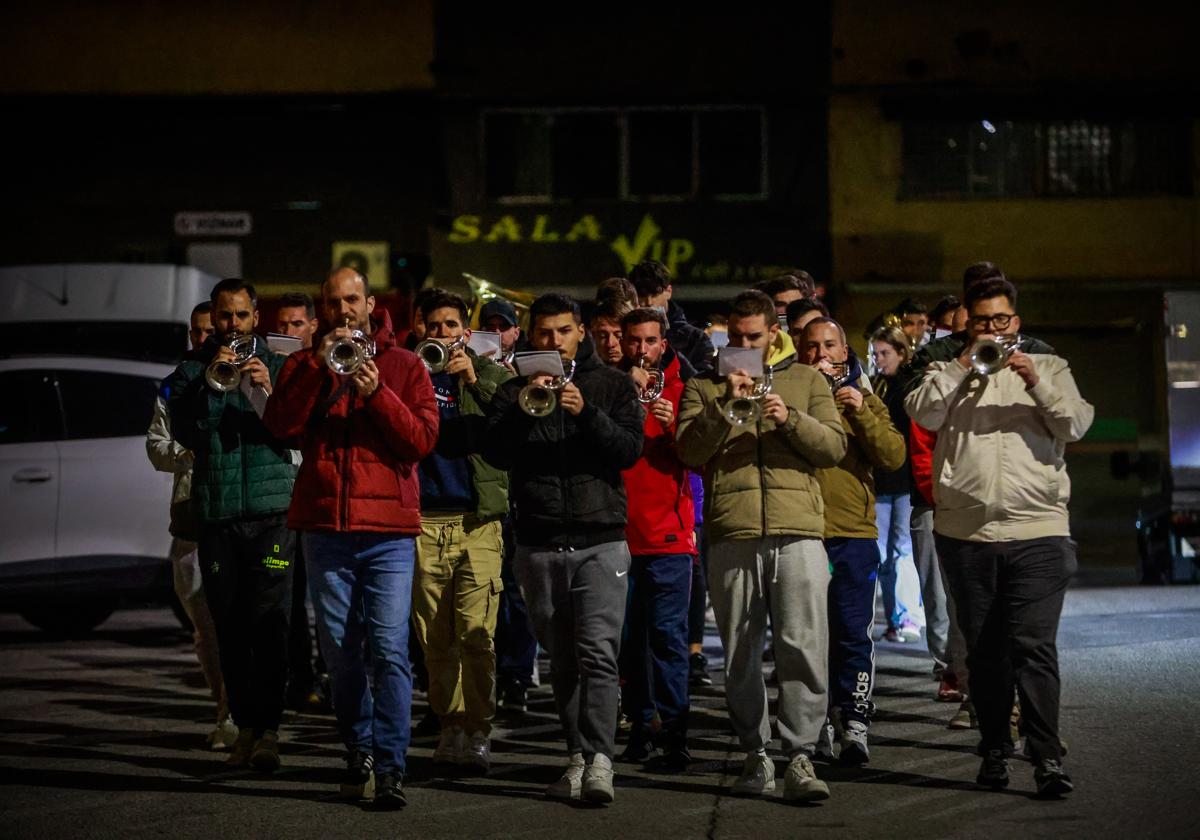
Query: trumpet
point(990, 355)
point(506, 358)
point(435, 354)
point(541, 400)
point(223, 375)
point(346, 355)
point(839, 377)
point(743, 411)
point(654, 385)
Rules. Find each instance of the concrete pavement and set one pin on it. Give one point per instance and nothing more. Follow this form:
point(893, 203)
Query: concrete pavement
point(103, 737)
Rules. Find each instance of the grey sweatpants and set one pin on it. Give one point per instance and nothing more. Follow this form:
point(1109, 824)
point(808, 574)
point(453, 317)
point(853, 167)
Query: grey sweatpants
point(785, 580)
point(576, 602)
point(946, 643)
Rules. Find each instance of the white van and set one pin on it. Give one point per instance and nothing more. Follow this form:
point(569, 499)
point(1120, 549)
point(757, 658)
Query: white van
point(83, 349)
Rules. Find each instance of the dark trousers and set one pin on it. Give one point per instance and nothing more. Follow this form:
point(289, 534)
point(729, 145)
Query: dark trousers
point(516, 646)
point(1008, 598)
point(660, 589)
point(698, 605)
point(247, 570)
point(300, 647)
point(855, 564)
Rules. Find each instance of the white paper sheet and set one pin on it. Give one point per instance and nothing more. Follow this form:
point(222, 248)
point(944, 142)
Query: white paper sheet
point(749, 359)
point(284, 345)
point(485, 343)
point(539, 361)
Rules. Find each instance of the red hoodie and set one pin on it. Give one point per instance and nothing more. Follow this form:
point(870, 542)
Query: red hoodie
point(661, 516)
point(360, 456)
point(920, 453)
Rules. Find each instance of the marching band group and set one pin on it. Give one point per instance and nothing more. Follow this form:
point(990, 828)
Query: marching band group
point(407, 488)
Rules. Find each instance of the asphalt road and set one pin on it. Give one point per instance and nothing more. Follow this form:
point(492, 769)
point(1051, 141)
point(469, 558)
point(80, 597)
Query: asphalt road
point(104, 738)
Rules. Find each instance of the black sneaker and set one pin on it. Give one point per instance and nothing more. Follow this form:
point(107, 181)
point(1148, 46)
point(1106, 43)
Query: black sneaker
point(389, 792)
point(698, 670)
point(358, 780)
point(1051, 780)
point(672, 757)
point(639, 749)
point(993, 772)
point(514, 699)
point(427, 726)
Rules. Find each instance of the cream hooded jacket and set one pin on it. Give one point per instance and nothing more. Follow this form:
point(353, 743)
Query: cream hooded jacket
point(998, 468)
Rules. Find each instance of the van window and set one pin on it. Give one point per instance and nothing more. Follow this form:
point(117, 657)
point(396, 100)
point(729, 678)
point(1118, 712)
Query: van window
point(29, 412)
point(103, 405)
point(142, 341)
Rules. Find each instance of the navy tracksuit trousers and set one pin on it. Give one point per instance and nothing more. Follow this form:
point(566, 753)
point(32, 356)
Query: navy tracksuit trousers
point(657, 645)
point(855, 565)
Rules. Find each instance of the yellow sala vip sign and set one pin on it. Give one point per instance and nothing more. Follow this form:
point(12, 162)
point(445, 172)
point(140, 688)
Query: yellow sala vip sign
point(646, 242)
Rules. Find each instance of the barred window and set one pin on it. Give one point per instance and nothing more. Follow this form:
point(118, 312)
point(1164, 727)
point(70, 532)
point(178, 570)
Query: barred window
point(1070, 158)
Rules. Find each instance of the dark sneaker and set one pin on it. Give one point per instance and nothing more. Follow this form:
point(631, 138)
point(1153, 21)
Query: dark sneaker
point(358, 781)
point(389, 792)
point(671, 753)
point(639, 749)
point(428, 725)
point(698, 671)
point(515, 699)
point(239, 755)
point(993, 772)
point(265, 757)
point(1051, 780)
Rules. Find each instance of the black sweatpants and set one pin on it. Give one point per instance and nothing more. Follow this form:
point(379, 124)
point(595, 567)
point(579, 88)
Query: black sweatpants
point(247, 571)
point(1009, 598)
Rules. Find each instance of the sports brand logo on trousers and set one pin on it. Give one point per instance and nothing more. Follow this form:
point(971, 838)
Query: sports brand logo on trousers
point(271, 561)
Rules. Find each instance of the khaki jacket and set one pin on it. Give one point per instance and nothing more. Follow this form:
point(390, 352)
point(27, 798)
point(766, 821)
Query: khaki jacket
point(761, 480)
point(849, 488)
point(998, 468)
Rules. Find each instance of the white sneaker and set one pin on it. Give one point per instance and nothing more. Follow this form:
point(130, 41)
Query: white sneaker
point(450, 746)
point(800, 783)
point(570, 786)
point(476, 753)
point(824, 748)
point(224, 735)
point(598, 780)
point(758, 776)
point(854, 743)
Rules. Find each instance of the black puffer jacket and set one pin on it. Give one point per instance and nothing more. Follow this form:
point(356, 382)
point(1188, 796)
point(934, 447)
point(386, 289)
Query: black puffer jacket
point(688, 340)
point(564, 471)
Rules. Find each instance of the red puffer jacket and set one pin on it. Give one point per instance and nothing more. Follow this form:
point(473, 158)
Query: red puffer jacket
point(661, 516)
point(360, 456)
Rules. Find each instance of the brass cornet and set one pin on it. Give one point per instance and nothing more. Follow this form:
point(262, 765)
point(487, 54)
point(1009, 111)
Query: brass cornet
point(346, 355)
point(744, 411)
point(541, 400)
point(840, 376)
point(654, 385)
point(436, 355)
point(223, 375)
point(990, 355)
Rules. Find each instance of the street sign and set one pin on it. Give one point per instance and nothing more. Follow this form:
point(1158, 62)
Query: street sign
point(213, 223)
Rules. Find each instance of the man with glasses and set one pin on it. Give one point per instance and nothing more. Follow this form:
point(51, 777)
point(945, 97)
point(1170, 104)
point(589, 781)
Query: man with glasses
point(1001, 491)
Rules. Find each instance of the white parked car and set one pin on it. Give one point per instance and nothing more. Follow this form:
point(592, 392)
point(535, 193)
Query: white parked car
point(84, 513)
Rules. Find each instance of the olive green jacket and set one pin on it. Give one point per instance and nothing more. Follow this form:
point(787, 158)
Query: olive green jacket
point(849, 488)
point(491, 484)
point(760, 480)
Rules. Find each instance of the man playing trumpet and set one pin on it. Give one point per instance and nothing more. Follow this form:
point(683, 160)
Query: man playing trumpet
point(572, 560)
point(456, 590)
point(662, 542)
point(766, 562)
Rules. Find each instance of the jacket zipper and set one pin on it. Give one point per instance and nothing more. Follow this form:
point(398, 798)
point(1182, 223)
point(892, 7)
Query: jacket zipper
point(762, 480)
point(345, 513)
point(566, 490)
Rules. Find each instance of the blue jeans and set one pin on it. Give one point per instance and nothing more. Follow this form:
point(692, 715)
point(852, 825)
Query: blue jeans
point(892, 515)
point(659, 595)
point(855, 562)
point(362, 592)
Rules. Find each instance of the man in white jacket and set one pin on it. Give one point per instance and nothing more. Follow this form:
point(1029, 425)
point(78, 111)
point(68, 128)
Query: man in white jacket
point(167, 455)
point(1001, 491)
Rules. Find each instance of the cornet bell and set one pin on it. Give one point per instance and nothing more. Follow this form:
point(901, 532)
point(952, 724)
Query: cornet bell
point(990, 355)
point(223, 375)
point(435, 354)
